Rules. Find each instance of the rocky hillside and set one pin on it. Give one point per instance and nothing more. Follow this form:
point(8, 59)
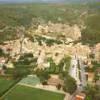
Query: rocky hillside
point(57, 30)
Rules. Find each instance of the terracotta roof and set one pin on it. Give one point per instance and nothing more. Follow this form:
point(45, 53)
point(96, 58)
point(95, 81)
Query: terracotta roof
point(80, 96)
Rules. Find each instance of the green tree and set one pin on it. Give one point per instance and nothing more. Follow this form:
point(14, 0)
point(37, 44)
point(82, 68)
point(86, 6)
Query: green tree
point(1, 52)
point(92, 92)
point(43, 75)
point(70, 84)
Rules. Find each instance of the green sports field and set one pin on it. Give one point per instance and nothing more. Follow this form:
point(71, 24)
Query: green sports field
point(5, 84)
point(27, 93)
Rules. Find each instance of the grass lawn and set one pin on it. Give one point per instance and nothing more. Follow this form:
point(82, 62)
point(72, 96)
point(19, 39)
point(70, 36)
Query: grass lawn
point(27, 93)
point(5, 84)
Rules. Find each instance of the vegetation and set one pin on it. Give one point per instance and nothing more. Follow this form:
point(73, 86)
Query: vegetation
point(63, 65)
point(93, 93)
point(23, 66)
point(13, 16)
point(96, 67)
point(69, 83)
point(91, 34)
point(53, 69)
point(6, 84)
point(27, 93)
point(1, 52)
point(43, 75)
point(49, 42)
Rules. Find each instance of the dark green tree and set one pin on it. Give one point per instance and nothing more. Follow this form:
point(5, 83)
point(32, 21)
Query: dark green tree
point(70, 84)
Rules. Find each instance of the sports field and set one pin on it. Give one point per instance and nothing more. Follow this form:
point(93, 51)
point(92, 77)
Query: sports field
point(27, 93)
point(5, 84)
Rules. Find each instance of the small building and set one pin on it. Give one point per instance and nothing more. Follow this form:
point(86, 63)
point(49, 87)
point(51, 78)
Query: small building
point(2, 70)
point(98, 83)
point(80, 96)
point(2, 60)
point(98, 75)
point(2, 65)
point(9, 65)
point(90, 77)
point(98, 71)
point(7, 48)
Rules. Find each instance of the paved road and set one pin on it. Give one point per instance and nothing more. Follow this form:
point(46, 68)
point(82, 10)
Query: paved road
point(75, 70)
point(83, 76)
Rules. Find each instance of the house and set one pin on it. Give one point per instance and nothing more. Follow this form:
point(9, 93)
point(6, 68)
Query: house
point(98, 83)
point(9, 65)
point(90, 77)
point(97, 52)
point(2, 65)
point(98, 75)
point(98, 71)
point(2, 60)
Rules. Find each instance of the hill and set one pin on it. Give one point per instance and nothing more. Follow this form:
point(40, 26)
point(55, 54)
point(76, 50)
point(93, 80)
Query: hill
point(16, 15)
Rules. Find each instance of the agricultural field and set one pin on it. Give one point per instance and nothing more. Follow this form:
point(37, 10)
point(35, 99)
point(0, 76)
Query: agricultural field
point(28, 93)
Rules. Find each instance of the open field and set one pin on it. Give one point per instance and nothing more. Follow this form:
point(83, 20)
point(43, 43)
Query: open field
point(27, 93)
point(5, 84)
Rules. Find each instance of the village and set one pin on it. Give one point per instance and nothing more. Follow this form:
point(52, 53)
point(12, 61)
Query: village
point(78, 53)
point(49, 50)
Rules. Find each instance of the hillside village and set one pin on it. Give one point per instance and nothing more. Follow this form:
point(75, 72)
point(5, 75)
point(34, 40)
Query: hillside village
point(48, 45)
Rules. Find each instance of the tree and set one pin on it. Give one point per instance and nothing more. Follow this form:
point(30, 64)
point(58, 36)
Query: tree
point(1, 52)
point(59, 86)
point(97, 96)
point(92, 55)
point(70, 85)
point(53, 66)
point(61, 65)
point(43, 75)
point(92, 92)
point(24, 65)
point(20, 72)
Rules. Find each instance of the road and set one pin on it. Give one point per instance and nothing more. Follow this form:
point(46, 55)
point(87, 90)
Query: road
point(80, 78)
point(74, 72)
point(83, 76)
